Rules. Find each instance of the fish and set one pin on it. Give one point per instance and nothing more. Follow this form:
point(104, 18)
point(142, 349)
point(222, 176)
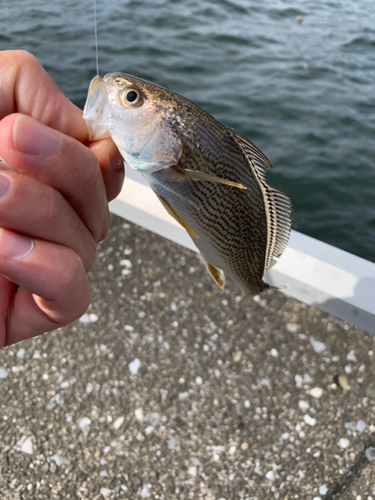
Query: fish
point(209, 178)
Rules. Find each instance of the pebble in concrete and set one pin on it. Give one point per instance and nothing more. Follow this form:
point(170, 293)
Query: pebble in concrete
point(234, 420)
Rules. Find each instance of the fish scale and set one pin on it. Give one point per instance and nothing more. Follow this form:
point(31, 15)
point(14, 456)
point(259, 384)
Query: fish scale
point(208, 177)
point(237, 237)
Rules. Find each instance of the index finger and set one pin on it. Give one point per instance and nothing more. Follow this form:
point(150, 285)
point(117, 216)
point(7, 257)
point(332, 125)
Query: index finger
point(25, 87)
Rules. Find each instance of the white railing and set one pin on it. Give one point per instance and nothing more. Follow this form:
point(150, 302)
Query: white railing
point(309, 270)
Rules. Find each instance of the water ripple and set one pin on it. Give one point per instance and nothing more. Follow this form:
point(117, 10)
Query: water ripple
point(303, 92)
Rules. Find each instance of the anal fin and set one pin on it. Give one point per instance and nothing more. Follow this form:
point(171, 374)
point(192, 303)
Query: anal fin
point(176, 217)
point(216, 274)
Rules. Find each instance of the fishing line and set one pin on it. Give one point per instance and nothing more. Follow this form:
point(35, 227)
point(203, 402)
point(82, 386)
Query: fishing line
point(96, 40)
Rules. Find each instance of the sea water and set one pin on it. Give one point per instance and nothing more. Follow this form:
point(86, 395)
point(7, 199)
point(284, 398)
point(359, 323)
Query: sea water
point(297, 78)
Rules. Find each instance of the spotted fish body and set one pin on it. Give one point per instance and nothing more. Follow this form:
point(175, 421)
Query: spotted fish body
point(209, 178)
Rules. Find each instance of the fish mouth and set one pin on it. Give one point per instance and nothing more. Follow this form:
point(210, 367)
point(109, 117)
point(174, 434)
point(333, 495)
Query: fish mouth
point(97, 111)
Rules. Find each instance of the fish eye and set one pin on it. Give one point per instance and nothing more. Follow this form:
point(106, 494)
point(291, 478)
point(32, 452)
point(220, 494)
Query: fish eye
point(131, 97)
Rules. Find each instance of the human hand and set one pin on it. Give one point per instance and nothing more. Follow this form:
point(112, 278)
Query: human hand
point(54, 193)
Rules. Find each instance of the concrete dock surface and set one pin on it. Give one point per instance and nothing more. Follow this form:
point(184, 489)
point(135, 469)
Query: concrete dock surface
point(168, 388)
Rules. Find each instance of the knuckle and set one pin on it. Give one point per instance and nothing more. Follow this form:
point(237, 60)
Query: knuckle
point(15, 195)
point(90, 170)
point(70, 270)
point(105, 227)
point(89, 254)
point(94, 183)
point(25, 58)
point(68, 279)
point(25, 54)
point(51, 208)
point(86, 246)
point(118, 184)
point(71, 289)
point(81, 306)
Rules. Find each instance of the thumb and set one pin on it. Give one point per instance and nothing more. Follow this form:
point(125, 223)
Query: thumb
point(25, 87)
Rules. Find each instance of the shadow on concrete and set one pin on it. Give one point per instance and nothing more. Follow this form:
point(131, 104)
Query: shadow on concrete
point(345, 484)
point(343, 308)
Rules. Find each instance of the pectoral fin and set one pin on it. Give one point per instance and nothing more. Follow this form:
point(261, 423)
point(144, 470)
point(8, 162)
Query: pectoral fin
point(201, 176)
point(216, 274)
point(171, 212)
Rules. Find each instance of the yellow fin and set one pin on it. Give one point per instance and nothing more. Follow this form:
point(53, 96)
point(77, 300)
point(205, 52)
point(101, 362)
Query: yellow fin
point(201, 176)
point(171, 212)
point(216, 274)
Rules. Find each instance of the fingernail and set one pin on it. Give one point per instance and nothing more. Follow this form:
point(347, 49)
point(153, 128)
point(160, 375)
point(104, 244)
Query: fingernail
point(33, 138)
point(14, 245)
point(6, 168)
point(4, 184)
point(116, 159)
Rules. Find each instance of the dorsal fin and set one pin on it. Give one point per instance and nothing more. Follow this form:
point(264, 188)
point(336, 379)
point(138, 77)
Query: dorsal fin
point(278, 205)
point(258, 160)
point(278, 208)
